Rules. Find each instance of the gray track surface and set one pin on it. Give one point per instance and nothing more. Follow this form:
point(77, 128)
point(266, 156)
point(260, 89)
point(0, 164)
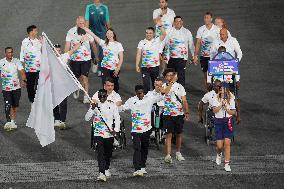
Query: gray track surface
point(258, 151)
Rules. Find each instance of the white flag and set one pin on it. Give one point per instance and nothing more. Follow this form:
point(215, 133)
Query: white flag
point(54, 85)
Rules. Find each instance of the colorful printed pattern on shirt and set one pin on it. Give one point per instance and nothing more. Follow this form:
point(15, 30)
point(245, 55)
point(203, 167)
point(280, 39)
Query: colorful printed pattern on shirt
point(206, 47)
point(10, 80)
point(32, 62)
point(149, 59)
point(139, 122)
point(177, 48)
point(100, 128)
point(172, 108)
point(109, 61)
point(81, 54)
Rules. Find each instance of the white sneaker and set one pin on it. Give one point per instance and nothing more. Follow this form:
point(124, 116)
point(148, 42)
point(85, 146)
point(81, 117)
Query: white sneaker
point(62, 125)
point(13, 125)
point(7, 126)
point(107, 173)
point(76, 94)
point(227, 167)
point(219, 159)
point(57, 123)
point(94, 68)
point(115, 143)
point(102, 177)
point(86, 100)
point(143, 170)
point(168, 159)
point(179, 157)
point(138, 173)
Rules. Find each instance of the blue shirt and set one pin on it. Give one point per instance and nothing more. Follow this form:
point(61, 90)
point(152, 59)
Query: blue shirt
point(98, 17)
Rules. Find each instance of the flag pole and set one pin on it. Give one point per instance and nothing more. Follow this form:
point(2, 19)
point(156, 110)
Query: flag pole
point(76, 80)
point(67, 67)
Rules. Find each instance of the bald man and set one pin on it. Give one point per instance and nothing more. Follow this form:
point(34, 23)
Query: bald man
point(80, 61)
point(231, 45)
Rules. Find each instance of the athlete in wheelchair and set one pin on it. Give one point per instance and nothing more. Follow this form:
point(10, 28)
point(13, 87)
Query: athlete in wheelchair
point(208, 120)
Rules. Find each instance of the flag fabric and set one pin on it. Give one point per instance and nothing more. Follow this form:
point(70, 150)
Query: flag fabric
point(54, 85)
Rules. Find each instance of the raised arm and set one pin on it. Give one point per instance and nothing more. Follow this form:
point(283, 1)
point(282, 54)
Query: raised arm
point(97, 39)
point(164, 33)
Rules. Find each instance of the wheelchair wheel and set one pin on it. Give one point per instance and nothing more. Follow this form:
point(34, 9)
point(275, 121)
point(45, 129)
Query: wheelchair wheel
point(122, 136)
point(206, 134)
point(122, 140)
point(157, 138)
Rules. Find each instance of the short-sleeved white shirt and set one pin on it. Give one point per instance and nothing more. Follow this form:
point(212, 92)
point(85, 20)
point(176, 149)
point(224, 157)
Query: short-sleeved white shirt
point(110, 59)
point(208, 97)
point(30, 54)
point(9, 74)
point(207, 37)
point(180, 42)
point(83, 53)
point(167, 20)
point(150, 52)
point(222, 113)
point(172, 104)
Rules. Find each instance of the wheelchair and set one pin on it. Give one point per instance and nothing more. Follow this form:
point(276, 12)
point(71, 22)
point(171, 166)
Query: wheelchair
point(209, 134)
point(157, 122)
point(120, 136)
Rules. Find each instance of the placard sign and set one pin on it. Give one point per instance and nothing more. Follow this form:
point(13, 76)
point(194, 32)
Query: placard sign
point(222, 64)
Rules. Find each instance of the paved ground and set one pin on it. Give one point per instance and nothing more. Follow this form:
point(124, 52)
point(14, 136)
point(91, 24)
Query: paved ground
point(69, 163)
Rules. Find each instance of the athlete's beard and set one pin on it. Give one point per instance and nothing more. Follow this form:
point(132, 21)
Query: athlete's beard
point(165, 7)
